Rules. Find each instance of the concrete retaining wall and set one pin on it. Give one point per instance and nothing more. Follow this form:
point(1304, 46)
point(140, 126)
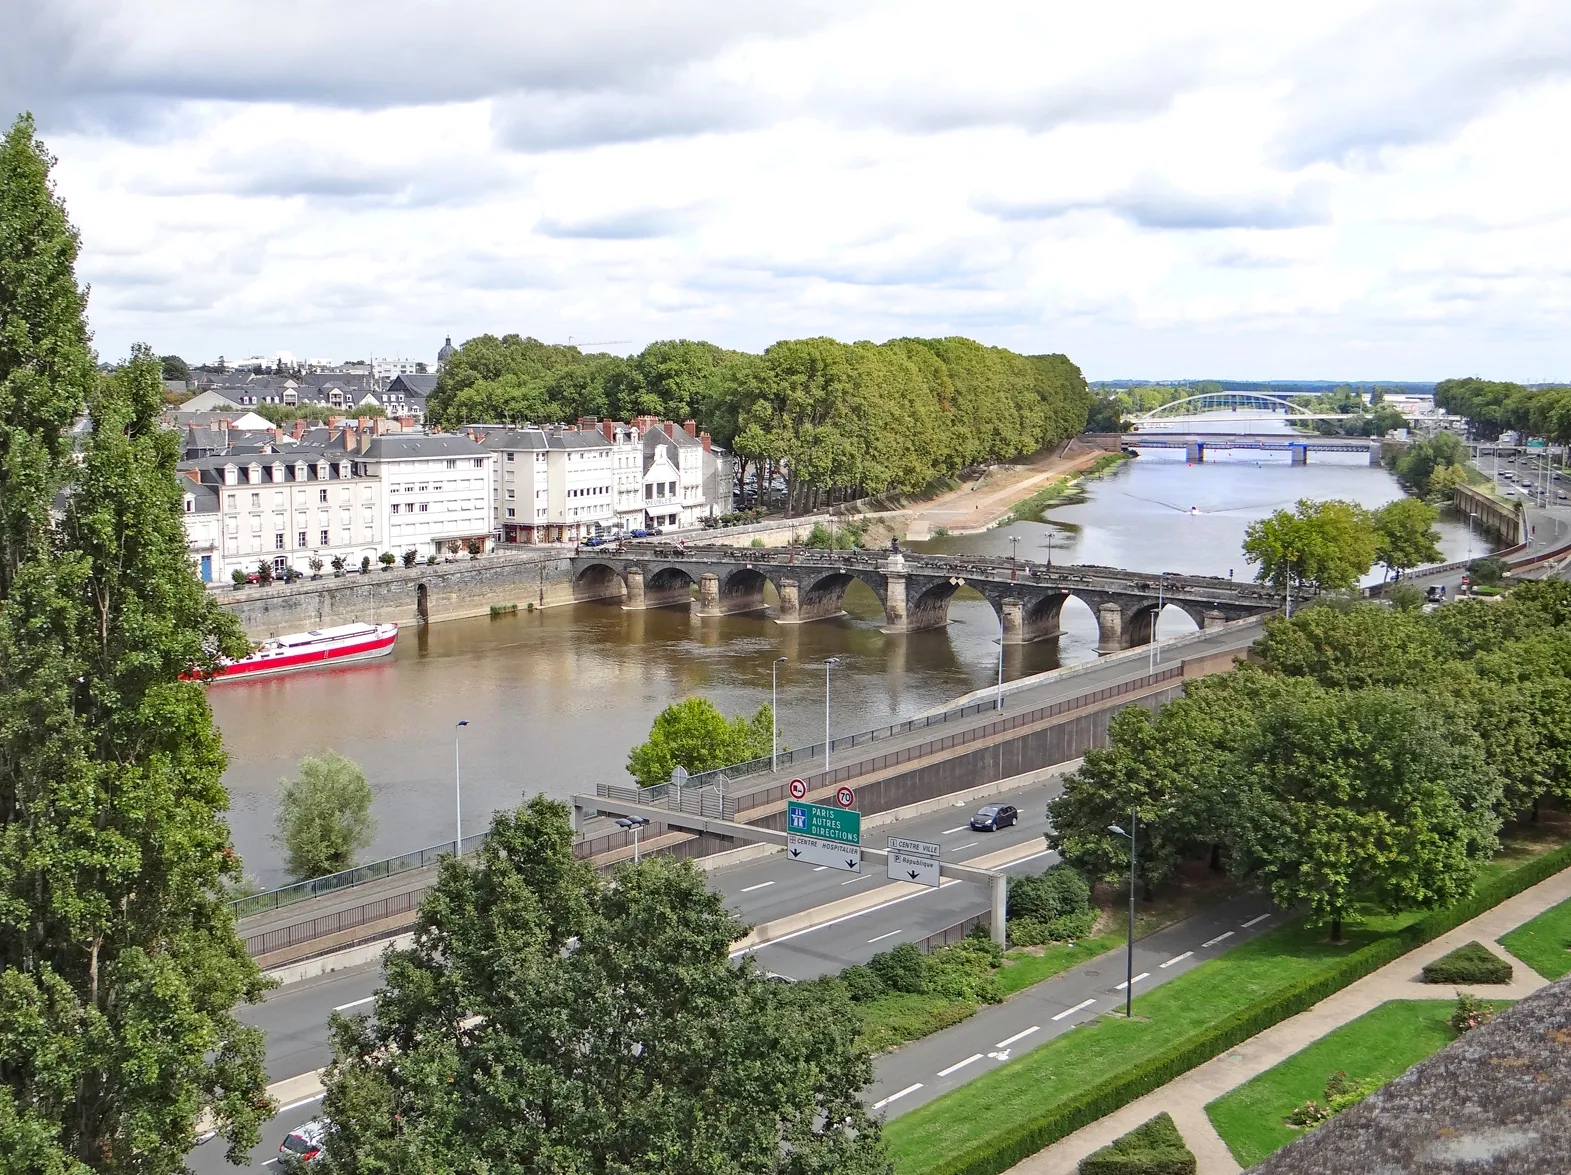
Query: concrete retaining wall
point(451, 591)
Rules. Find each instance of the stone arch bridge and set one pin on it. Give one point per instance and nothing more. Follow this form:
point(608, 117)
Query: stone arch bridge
point(914, 589)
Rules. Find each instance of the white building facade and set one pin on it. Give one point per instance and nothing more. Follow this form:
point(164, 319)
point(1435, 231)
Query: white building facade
point(436, 488)
point(552, 485)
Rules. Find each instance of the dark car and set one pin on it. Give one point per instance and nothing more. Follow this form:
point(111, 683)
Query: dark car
point(638, 532)
point(598, 540)
point(302, 1146)
point(995, 816)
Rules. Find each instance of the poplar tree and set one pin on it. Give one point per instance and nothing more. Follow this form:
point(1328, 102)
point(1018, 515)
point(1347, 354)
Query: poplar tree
point(119, 964)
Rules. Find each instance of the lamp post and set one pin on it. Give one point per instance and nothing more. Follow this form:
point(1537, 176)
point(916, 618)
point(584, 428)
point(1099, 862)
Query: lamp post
point(829, 664)
point(1156, 628)
point(1014, 553)
point(1000, 695)
point(634, 823)
point(1049, 549)
point(458, 793)
point(774, 712)
point(1129, 966)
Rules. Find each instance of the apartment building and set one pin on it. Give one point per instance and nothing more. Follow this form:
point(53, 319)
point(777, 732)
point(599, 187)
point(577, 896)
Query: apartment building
point(436, 488)
point(551, 485)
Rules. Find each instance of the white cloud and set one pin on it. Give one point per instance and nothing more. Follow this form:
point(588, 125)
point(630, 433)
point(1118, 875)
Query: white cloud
point(1354, 188)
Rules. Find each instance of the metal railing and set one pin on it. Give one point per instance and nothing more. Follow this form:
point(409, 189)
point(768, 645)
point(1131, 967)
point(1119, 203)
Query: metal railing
point(950, 935)
point(283, 937)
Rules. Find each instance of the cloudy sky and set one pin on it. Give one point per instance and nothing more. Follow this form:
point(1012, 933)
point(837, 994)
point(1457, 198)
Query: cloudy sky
point(1341, 189)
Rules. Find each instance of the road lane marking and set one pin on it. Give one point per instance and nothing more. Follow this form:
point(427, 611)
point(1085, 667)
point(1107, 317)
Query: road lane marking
point(854, 880)
point(897, 1096)
point(960, 1064)
point(1216, 940)
point(1080, 1007)
point(759, 946)
point(819, 868)
point(1017, 1036)
point(354, 1004)
point(1178, 958)
point(970, 844)
point(1032, 857)
point(1136, 979)
point(1252, 921)
point(961, 828)
point(761, 885)
point(305, 1101)
point(881, 937)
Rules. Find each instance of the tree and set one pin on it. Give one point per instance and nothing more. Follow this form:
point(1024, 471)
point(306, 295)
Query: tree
point(546, 1020)
point(1319, 545)
point(175, 367)
point(119, 965)
point(1405, 534)
point(410, 556)
point(1352, 647)
point(387, 559)
point(324, 816)
point(1365, 795)
point(694, 734)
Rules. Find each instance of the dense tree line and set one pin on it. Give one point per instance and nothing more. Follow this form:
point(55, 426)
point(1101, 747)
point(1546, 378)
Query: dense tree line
point(119, 964)
point(1493, 406)
point(837, 420)
point(1434, 466)
point(1369, 758)
point(1331, 545)
point(1371, 419)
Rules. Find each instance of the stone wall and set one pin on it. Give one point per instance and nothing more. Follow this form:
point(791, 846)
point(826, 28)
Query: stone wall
point(1496, 516)
point(446, 591)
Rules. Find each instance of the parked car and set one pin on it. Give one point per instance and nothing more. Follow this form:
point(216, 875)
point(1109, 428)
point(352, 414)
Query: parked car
point(995, 816)
point(655, 531)
point(302, 1146)
point(598, 540)
point(638, 532)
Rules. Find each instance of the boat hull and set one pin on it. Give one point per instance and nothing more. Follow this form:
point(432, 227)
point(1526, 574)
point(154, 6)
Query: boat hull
point(321, 657)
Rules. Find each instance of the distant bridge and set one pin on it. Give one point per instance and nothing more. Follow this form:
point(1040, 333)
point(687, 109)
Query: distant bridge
point(914, 589)
point(1299, 446)
point(1240, 406)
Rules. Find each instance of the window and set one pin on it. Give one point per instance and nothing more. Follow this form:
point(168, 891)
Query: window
point(393, 509)
point(229, 501)
point(300, 539)
point(452, 464)
point(425, 487)
point(510, 512)
point(479, 462)
point(256, 501)
point(190, 504)
point(323, 543)
point(509, 457)
point(422, 507)
point(649, 492)
point(321, 495)
point(278, 498)
point(511, 493)
point(278, 542)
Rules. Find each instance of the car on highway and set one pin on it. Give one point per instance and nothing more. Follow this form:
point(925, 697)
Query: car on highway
point(995, 816)
point(302, 1146)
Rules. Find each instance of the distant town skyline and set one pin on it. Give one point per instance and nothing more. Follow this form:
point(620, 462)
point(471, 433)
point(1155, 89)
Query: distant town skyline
point(1357, 189)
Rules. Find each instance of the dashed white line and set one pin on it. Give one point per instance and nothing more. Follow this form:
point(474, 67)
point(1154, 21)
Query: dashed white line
point(1217, 939)
point(897, 1096)
point(1007, 1041)
point(881, 937)
point(1137, 979)
point(1080, 1007)
point(1032, 857)
point(961, 828)
point(819, 868)
point(354, 1004)
point(1252, 921)
point(970, 844)
point(305, 1101)
point(854, 880)
point(760, 885)
point(1178, 958)
point(837, 921)
point(960, 1064)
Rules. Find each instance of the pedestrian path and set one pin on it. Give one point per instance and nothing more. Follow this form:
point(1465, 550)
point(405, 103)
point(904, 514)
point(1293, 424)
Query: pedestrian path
point(1186, 1097)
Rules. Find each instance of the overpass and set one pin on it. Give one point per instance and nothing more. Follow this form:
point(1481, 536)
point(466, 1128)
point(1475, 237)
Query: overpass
point(1196, 444)
point(914, 589)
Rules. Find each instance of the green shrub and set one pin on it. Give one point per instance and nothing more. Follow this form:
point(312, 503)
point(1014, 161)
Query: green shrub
point(1052, 906)
point(1030, 932)
point(1488, 571)
point(1406, 598)
point(503, 609)
point(1470, 1013)
point(756, 543)
point(1152, 1148)
point(1101, 1097)
point(862, 983)
point(1341, 1091)
point(1470, 963)
point(902, 969)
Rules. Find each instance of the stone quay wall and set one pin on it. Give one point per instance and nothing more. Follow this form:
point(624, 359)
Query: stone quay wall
point(445, 591)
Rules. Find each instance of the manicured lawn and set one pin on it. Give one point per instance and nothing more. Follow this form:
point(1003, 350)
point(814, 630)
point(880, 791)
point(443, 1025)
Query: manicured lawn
point(1024, 968)
point(998, 1100)
point(1380, 1044)
point(1542, 943)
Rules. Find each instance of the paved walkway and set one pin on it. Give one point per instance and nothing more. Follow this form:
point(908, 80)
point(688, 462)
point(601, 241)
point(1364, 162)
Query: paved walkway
point(1185, 1098)
point(978, 505)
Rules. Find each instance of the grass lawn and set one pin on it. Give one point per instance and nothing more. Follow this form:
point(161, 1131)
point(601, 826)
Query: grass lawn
point(1542, 943)
point(1380, 1044)
point(1025, 967)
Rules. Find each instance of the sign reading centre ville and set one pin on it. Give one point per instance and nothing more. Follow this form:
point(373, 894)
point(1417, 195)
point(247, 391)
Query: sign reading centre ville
point(914, 860)
point(820, 835)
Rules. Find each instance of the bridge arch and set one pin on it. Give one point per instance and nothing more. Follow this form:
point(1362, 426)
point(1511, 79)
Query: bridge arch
point(667, 586)
point(1224, 402)
point(597, 581)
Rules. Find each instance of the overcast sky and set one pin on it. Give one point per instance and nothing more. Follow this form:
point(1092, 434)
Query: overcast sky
point(1326, 190)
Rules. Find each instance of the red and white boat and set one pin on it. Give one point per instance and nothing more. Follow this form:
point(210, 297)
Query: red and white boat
point(343, 645)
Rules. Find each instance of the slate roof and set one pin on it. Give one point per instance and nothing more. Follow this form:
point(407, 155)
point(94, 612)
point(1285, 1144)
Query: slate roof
point(1495, 1102)
point(409, 446)
point(539, 439)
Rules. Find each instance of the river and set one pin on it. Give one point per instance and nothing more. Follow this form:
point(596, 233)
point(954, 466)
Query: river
point(555, 699)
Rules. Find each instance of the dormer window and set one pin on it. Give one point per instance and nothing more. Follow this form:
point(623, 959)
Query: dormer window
point(300, 474)
point(321, 471)
point(343, 470)
point(254, 474)
point(278, 471)
point(231, 475)
point(190, 504)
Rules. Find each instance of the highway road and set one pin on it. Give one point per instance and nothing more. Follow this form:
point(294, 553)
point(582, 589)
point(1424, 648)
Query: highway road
point(294, 1018)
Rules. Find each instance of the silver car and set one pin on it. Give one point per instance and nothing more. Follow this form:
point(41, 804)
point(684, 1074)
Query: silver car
point(302, 1146)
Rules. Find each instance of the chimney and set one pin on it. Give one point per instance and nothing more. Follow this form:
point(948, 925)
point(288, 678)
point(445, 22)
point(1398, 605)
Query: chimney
point(670, 428)
point(690, 427)
point(380, 425)
point(195, 475)
point(278, 434)
point(349, 439)
point(365, 423)
point(365, 439)
point(608, 430)
point(588, 424)
point(704, 437)
point(299, 429)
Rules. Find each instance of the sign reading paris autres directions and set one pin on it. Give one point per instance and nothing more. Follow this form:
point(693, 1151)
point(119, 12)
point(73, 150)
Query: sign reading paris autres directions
point(915, 861)
point(819, 835)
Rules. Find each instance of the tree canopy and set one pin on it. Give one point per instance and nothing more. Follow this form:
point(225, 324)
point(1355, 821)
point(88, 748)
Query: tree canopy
point(1317, 545)
point(119, 964)
point(694, 734)
point(1405, 534)
point(544, 1019)
point(324, 815)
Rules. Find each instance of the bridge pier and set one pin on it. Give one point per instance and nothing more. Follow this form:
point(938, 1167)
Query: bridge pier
point(1195, 451)
point(1212, 619)
point(1300, 454)
point(708, 595)
point(1023, 624)
point(817, 606)
point(634, 601)
point(1110, 628)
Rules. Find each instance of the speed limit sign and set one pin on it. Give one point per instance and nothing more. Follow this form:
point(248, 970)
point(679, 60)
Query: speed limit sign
point(798, 789)
point(845, 797)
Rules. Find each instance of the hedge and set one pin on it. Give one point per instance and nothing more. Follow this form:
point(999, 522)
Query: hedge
point(1102, 1097)
point(1152, 1148)
point(1470, 963)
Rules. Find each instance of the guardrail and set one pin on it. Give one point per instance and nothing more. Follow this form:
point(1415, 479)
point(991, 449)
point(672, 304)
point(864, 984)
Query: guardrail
point(283, 937)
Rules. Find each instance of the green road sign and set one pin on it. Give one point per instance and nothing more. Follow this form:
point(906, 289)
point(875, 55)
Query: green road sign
point(824, 823)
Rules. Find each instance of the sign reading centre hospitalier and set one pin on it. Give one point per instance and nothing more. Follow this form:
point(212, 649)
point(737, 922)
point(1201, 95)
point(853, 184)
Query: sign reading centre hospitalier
point(824, 836)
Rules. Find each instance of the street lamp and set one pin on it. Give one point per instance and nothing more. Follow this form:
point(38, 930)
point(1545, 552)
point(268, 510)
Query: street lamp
point(829, 664)
point(774, 712)
point(1000, 643)
point(1129, 967)
point(635, 823)
point(1014, 553)
point(458, 794)
point(1050, 549)
point(1156, 628)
